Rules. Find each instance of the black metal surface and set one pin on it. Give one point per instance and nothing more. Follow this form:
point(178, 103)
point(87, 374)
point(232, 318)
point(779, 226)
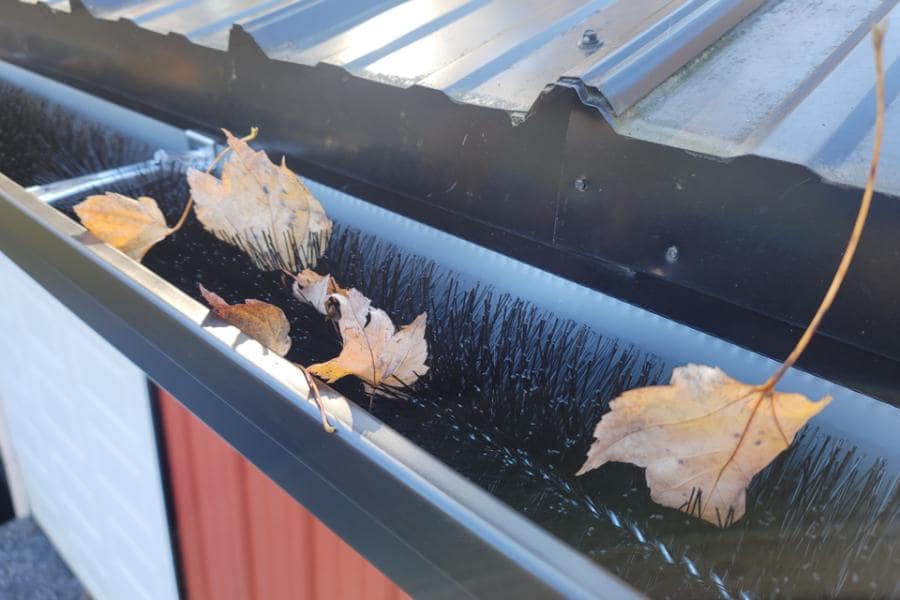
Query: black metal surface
point(165, 476)
point(421, 524)
point(6, 505)
point(759, 234)
point(752, 232)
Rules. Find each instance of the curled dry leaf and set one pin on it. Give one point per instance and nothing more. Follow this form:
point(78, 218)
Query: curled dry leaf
point(373, 349)
point(311, 288)
point(269, 326)
point(260, 320)
point(132, 226)
point(702, 438)
point(262, 208)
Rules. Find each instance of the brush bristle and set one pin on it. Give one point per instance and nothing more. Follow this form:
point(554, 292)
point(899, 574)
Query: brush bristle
point(42, 142)
point(500, 360)
point(511, 400)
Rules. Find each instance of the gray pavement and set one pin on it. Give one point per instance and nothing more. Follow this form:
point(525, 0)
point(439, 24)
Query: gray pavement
point(30, 568)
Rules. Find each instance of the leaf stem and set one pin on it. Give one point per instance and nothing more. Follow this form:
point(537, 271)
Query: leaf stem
point(190, 201)
point(866, 202)
point(317, 397)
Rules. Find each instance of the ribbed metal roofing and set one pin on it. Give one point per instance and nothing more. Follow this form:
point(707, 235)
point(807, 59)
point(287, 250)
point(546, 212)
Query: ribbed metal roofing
point(785, 79)
point(795, 81)
point(498, 53)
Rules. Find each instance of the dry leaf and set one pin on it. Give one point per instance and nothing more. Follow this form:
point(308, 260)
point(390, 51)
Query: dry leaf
point(260, 320)
point(702, 438)
point(373, 349)
point(311, 288)
point(132, 226)
point(262, 208)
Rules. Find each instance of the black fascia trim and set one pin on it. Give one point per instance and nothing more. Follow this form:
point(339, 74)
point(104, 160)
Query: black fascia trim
point(165, 479)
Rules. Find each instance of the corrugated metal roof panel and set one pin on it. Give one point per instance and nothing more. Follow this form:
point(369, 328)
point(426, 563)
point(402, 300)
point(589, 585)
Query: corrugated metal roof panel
point(498, 53)
point(831, 130)
point(793, 80)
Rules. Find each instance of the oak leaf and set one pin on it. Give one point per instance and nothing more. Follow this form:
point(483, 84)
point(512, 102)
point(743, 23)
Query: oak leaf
point(311, 288)
point(260, 320)
point(262, 208)
point(702, 438)
point(373, 349)
point(132, 226)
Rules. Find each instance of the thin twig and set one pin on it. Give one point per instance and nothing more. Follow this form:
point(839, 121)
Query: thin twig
point(190, 201)
point(877, 39)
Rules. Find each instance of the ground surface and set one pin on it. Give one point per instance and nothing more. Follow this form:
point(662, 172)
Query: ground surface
point(30, 568)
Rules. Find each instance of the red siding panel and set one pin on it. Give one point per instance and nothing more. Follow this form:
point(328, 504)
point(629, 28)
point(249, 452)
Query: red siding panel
point(241, 536)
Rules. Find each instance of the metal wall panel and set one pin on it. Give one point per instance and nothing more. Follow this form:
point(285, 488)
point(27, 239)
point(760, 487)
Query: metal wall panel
point(80, 421)
point(241, 536)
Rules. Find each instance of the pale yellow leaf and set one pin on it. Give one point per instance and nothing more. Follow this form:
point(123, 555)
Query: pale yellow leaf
point(702, 438)
point(262, 208)
point(373, 349)
point(311, 288)
point(264, 322)
point(132, 226)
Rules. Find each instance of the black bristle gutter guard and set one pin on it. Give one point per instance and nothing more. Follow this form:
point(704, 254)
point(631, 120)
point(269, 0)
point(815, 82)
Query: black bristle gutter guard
point(671, 341)
point(428, 529)
point(421, 523)
point(133, 125)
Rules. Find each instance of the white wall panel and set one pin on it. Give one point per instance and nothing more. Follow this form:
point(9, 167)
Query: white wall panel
point(79, 420)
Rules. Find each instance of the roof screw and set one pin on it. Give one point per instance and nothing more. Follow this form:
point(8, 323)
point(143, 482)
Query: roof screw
point(589, 40)
point(672, 254)
point(581, 184)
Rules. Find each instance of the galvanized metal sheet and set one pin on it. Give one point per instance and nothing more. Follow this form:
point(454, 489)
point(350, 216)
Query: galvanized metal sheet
point(795, 81)
point(498, 53)
point(785, 79)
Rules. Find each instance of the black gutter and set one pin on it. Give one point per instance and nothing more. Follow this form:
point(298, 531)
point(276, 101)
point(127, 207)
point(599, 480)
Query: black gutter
point(435, 534)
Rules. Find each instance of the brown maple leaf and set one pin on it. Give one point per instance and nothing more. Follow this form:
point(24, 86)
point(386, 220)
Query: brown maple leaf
point(132, 226)
point(702, 438)
point(262, 208)
point(373, 349)
point(262, 321)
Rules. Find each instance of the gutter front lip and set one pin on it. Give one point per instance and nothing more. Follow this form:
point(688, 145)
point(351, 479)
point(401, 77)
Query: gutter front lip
point(426, 527)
